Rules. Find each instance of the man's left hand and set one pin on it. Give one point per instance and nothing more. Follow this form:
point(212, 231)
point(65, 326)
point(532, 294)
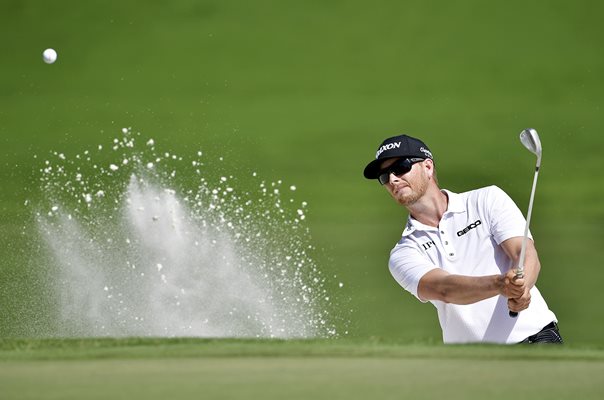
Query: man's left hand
point(520, 303)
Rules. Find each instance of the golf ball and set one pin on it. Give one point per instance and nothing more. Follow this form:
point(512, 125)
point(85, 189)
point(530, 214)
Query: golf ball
point(49, 56)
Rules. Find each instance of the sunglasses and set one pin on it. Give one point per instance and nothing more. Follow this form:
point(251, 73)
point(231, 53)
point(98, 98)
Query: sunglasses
point(398, 168)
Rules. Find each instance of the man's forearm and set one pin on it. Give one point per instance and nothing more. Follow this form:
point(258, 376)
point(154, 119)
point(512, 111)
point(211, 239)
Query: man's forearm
point(461, 289)
point(532, 266)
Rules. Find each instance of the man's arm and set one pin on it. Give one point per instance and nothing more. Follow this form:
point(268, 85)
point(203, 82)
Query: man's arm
point(461, 289)
point(532, 267)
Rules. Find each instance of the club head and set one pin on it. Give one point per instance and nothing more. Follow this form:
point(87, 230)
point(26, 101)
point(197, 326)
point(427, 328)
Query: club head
point(530, 139)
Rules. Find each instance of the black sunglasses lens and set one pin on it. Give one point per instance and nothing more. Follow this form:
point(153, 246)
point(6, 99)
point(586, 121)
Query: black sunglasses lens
point(384, 178)
point(399, 168)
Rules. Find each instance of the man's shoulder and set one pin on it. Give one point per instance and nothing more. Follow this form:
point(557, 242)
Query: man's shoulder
point(477, 199)
point(483, 193)
point(481, 190)
point(407, 246)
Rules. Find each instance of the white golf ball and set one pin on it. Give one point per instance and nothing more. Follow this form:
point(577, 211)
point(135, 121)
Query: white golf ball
point(49, 56)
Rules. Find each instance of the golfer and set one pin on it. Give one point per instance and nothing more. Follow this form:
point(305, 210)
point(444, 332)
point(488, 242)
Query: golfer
point(459, 251)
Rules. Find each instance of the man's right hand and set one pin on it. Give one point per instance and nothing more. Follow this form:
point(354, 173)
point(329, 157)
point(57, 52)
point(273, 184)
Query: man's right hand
point(513, 287)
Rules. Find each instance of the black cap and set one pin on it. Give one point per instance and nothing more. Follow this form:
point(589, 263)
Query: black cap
point(395, 147)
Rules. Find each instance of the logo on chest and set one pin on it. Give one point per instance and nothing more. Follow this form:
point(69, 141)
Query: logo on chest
point(469, 228)
point(428, 245)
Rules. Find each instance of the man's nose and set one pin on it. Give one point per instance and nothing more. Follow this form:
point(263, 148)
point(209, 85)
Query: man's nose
point(392, 178)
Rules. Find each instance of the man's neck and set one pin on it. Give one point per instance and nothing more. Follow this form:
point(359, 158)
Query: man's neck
point(430, 208)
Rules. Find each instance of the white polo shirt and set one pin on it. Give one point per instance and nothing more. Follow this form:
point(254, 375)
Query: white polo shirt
point(466, 242)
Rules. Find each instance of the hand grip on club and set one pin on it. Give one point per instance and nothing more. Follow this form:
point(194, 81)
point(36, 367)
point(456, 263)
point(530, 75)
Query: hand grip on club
point(519, 274)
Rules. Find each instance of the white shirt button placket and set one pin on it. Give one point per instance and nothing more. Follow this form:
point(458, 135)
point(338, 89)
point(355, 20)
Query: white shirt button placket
point(449, 250)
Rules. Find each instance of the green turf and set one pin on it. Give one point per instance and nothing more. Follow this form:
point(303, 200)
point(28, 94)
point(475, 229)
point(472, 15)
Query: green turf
point(193, 368)
point(305, 91)
point(81, 349)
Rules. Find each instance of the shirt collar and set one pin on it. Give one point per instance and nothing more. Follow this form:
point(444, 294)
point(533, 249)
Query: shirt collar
point(454, 205)
point(413, 225)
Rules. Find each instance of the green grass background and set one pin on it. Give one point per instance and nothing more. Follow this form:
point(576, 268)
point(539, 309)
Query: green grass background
point(305, 92)
point(274, 369)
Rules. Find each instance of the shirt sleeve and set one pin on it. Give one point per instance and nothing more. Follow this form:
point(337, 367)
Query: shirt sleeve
point(408, 265)
point(505, 217)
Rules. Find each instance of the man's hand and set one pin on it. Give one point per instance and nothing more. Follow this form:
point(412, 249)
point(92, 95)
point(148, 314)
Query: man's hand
point(520, 303)
point(512, 286)
point(516, 290)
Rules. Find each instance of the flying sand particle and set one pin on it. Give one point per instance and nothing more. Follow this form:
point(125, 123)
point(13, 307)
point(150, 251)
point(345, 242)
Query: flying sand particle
point(216, 235)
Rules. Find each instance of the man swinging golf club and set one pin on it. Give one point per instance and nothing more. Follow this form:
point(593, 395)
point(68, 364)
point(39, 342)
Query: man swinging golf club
point(469, 254)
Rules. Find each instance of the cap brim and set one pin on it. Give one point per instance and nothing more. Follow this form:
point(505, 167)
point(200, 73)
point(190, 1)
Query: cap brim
point(372, 170)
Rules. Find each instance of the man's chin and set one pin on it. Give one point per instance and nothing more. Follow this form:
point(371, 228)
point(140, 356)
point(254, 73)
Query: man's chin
point(407, 200)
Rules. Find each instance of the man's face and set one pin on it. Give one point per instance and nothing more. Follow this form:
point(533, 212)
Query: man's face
point(407, 188)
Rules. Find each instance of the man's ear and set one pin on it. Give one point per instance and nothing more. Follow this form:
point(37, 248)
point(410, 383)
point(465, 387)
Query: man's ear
point(429, 165)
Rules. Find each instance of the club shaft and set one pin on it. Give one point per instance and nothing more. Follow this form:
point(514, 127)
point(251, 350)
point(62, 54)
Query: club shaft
point(520, 268)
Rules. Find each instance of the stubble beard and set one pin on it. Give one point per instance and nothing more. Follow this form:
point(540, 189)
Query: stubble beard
point(418, 189)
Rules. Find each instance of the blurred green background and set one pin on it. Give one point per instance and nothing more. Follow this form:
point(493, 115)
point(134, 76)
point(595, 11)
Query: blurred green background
point(305, 92)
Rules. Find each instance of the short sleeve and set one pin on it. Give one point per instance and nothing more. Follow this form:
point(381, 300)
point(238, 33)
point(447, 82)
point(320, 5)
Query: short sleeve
point(408, 265)
point(505, 217)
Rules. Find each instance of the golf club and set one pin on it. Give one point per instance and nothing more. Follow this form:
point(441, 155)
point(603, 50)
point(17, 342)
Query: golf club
point(530, 139)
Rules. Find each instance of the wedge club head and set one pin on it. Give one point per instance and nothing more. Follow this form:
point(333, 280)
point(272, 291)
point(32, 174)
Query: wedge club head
point(530, 139)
